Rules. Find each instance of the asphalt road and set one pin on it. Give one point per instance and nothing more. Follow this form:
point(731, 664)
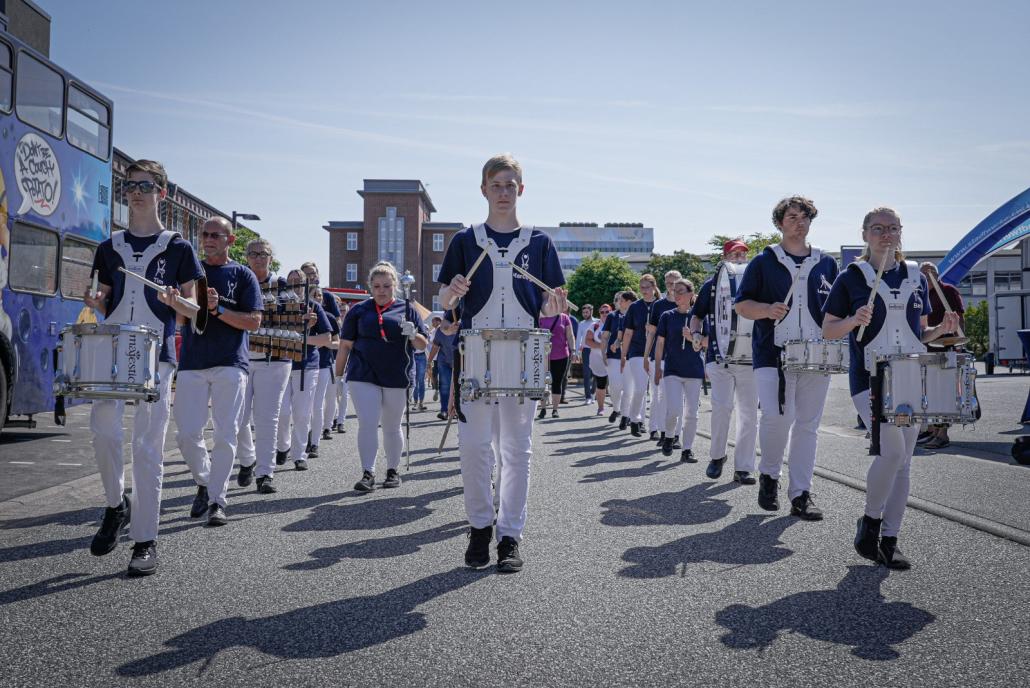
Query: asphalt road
point(639, 571)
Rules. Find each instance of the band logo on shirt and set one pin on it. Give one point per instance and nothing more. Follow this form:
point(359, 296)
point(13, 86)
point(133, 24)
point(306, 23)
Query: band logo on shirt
point(525, 266)
point(159, 273)
point(824, 285)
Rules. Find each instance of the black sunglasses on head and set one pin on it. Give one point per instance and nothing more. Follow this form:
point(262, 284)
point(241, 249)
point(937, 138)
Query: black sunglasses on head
point(145, 187)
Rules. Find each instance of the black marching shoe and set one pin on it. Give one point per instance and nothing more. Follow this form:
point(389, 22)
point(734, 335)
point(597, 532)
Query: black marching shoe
point(768, 492)
point(655, 438)
point(265, 485)
point(714, 470)
point(312, 452)
point(477, 554)
point(613, 416)
point(327, 434)
point(804, 508)
point(867, 537)
point(340, 429)
point(634, 429)
point(115, 521)
point(246, 476)
point(676, 442)
point(367, 482)
point(392, 478)
point(743, 477)
point(333, 426)
point(199, 507)
point(508, 559)
point(216, 515)
point(144, 559)
point(687, 456)
point(891, 557)
point(624, 423)
point(281, 456)
point(542, 414)
point(667, 446)
point(300, 465)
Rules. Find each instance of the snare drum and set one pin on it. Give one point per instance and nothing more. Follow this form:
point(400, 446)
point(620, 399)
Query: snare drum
point(929, 387)
point(815, 356)
point(108, 361)
point(505, 363)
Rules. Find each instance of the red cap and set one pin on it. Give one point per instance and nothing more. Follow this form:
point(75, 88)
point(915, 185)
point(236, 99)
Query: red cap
point(733, 245)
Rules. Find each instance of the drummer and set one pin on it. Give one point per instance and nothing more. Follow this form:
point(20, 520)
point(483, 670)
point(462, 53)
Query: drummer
point(164, 257)
point(899, 315)
point(936, 436)
point(730, 381)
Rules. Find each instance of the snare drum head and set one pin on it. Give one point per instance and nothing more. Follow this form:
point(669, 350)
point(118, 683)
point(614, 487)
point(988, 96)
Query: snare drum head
point(728, 325)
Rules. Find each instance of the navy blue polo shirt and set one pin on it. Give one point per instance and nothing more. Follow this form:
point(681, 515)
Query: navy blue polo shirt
point(221, 344)
point(657, 309)
point(766, 281)
point(383, 363)
point(613, 325)
point(327, 356)
point(636, 319)
point(446, 343)
point(704, 311)
point(177, 265)
point(850, 292)
point(539, 258)
point(680, 358)
point(321, 326)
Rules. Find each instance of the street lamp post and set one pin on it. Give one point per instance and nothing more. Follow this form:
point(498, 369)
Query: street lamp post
point(250, 217)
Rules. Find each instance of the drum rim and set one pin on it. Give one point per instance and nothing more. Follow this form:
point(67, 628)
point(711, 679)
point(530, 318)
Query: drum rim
point(110, 329)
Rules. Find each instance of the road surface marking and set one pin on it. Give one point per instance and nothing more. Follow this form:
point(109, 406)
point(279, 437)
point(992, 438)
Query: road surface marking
point(23, 463)
point(60, 440)
point(69, 464)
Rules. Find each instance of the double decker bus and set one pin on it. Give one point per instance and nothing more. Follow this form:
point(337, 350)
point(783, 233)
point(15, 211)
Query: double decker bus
point(55, 208)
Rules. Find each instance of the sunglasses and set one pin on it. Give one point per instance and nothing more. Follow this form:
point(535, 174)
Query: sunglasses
point(144, 187)
point(212, 235)
point(258, 254)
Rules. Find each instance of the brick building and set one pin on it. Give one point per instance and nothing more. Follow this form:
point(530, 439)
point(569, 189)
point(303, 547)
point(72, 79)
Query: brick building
point(396, 227)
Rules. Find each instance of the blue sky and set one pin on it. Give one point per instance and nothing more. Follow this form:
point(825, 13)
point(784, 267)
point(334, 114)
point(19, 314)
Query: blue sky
point(693, 118)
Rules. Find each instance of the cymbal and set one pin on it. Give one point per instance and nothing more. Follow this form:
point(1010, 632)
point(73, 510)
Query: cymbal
point(952, 340)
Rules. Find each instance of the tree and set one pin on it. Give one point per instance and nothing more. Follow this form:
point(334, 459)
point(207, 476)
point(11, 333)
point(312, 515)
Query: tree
point(597, 279)
point(976, 324)
point(756, 242)
point(689, 265)
point(238, 251)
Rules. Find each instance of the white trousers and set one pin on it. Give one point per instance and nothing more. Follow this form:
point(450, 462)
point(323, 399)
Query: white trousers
point(734, 382)
point(329, 407)
point(805, 396)
point(656, 413)
point(149, 425)
point(341, 400)
point(296, 407)
point(887, 480)
point(266, 386)
point(224, 386)
point(377, 406)
point(682, 395)
point(636, 388)
point(617, 386)
point(512, 424)
point(319, 401)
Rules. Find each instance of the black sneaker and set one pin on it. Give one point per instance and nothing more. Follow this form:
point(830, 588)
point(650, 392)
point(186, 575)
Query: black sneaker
point(115, 521)
point(300, 465)
point(199, 507)
point(687, 456)
point(891, 557)
point(508, 559)
point(246, 476)
point(768, 491)
point(554, 413)
point(340, 429)
point(281, 456)
point(634, 429)
point(392, 479)
point(676, 442)
point(867, 538)
point(265, 486)
point(442, 415)
point(312, 452)
point(804, 508)
point(743, 477)
point(542, 414)
point(925, 437)
point(624, 423)
point(477, 554)
point(333, 426)
point(144, 559)
point(714, 470)
point(654, 436)
point(367, 482)
point(613, 416)
point(327, 435)
point(667, 446)
point(216, 515)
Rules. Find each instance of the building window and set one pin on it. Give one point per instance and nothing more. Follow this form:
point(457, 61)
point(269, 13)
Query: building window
point(33, 260)
point(978, 284)
point(40, 95)
point(352, 241)
point(391, 239)
point(438, 243)
point(436, 271)
point(76, 267)
point(352, 272)
point(436, 303)
point(1008, 281)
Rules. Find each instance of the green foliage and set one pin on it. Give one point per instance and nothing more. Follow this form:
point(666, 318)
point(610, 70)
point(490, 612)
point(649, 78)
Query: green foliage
point(597, 279)
point(238, 251)
point(756, 242)
point(689, 265)
point(975, 325)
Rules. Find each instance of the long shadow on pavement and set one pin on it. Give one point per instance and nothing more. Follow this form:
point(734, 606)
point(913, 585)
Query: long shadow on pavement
point(66, 581)
point(371, 513)
point(379, 548)
point(855, 614)
point(648, 469)
point(319, 631)
point(752, 540)
point(611, 458)
point(689, 507)
point(570, 449)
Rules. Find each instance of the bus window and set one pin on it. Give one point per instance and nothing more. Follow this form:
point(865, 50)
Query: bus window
point(89, 123)
point(6, 77)
point(39, 99)
point(76, 267)
point(32, 260)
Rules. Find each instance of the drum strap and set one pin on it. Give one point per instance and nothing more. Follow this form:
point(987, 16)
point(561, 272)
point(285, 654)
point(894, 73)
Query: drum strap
point(782, 391)
point(875, 395)
point(455, 389)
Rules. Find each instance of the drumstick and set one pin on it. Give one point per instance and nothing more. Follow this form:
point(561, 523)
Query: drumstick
point(472, 270)
point(940, 295)
point(872, 294)
point(534, 280)
point(193, 308)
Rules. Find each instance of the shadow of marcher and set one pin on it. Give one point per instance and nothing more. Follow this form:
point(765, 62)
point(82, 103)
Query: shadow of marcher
point(379, 548)
point(855, 614)
point(689, 507)
point(753, 539)
point(370, 513)
point(648, 469)
point(323, 630)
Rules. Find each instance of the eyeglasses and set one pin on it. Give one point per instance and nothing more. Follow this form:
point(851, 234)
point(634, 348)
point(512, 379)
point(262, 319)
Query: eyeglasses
point(258, 254)
point(145, 187)
point(880, 230)
point(212, 235)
